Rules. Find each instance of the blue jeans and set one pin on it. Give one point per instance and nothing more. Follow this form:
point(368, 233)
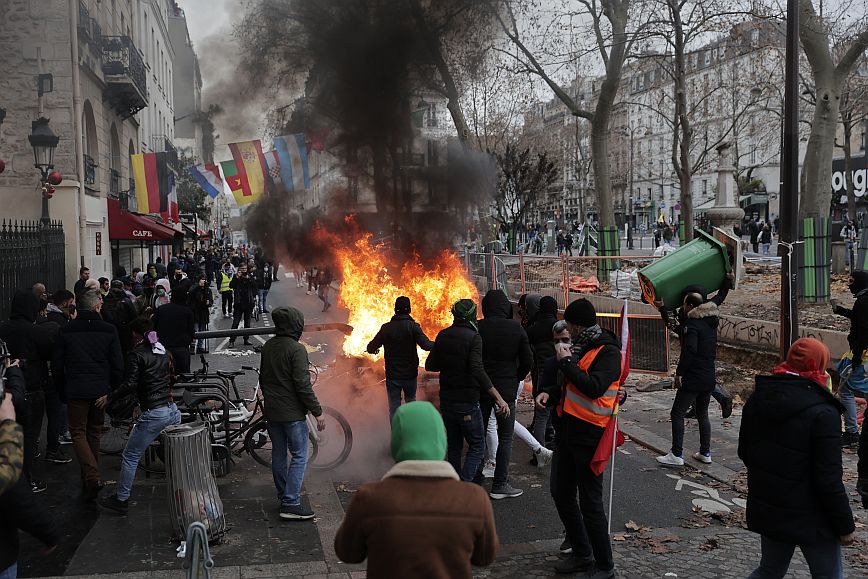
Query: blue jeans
point(288, 478)
point(393, 391)
point(10, 572)
point(505, 427)
point(823, 557)
point(200, 344)
point(848, 399)
point(146, 430)
point(463, 422)
point(263, 293)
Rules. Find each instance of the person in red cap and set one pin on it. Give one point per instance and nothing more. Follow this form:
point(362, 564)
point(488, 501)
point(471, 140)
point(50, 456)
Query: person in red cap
point(790, 441)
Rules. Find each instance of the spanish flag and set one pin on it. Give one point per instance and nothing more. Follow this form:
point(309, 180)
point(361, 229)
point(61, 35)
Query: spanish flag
point(151, 177)
point(251, 168)
point(233, 180)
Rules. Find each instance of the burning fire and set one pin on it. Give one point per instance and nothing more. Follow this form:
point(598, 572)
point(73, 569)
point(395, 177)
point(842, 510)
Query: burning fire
point(372, 279)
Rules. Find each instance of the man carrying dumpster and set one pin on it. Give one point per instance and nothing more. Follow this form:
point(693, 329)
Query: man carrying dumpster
point(289, 396)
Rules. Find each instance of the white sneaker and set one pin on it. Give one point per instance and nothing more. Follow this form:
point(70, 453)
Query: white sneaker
point(543, 457)
point(488, 469)
point(670, 460)
point(704, 458)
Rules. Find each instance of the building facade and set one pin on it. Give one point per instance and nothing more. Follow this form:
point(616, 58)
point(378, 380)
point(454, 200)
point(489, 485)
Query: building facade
point(187, 91)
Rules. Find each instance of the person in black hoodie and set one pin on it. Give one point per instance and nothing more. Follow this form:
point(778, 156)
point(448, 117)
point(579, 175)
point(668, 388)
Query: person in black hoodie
point(201, 299)
point(457, 355)
point(507, 358)
point(32, 344)
point(399, 337)
point(119, 311)
point(694, 378)
point(858, 342)
point(539, 334)
point(87, 365)
point(244, 296)
point(584, 395)
point(789, 441)
point(175, 324)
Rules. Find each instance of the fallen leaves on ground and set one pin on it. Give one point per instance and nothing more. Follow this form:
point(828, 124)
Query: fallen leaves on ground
point(710, 545)
point(343, 488)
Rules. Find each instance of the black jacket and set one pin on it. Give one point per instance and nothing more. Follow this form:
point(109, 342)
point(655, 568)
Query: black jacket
point(263, 276)
point(699, 349)
point(27, 341)
point(605, 369)
point(245, 291)
point(858, 316)
point(506, 352)
point(147, 374)
point(399, 337)
point(201, 299)
point(174, 324)
point(87, 362)
point(119, 311)
point(457, 355)
point(21, 509)
point(541, 342)
point(790, 441)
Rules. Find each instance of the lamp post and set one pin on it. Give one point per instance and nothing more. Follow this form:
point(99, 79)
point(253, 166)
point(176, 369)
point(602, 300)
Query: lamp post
point(44, 142)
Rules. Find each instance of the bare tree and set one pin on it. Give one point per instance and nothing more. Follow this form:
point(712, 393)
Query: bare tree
point(819, 44)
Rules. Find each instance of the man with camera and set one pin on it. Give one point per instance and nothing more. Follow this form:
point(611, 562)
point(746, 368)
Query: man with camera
point(244, 290)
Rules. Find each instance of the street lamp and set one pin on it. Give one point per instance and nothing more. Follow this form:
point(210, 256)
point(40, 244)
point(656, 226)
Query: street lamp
point(44, 142)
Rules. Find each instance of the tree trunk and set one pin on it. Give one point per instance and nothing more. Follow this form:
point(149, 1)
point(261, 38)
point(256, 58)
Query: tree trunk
point(683, 134)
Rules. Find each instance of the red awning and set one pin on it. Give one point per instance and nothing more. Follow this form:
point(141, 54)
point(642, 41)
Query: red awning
point(127, 226)
point(204, 233)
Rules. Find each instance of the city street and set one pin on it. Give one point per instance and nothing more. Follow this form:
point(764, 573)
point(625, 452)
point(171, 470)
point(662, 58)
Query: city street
point(661, 519)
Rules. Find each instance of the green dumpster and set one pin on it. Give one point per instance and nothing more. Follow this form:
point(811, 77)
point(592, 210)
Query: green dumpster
point(703, 261)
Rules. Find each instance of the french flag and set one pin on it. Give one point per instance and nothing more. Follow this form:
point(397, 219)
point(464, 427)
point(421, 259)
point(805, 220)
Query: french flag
point(209, 179)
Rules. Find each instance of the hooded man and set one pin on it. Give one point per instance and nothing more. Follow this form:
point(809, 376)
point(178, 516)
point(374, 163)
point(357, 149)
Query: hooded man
point(507, 359)
point(539, 334)
point(858, 341)
point(420, 520)
point(584, 396)
point(119, 311)
point(175, 323)
point(789, 441)
point(289, 396)
point(399, 337)
point(457, 355)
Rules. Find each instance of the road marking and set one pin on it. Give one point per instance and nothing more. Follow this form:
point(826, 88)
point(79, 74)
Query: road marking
point(222, 345)
point(260, 338)
point(711, 500)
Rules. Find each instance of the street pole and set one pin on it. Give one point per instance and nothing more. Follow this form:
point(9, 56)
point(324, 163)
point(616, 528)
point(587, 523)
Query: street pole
point(790, 184)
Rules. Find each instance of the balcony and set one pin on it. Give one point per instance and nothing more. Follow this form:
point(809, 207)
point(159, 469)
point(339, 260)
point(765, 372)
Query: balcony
point(124, 71)
point(89, 170)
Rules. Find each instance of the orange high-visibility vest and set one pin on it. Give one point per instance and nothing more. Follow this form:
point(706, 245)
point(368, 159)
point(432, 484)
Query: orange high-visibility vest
point(594, 410)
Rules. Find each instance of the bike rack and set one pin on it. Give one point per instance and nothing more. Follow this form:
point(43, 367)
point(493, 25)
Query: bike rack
point(197, 559)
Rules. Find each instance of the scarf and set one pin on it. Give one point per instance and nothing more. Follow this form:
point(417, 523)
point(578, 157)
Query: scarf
point(807, 358)
point(156, 346)
point(465, 310)
point(587, 336)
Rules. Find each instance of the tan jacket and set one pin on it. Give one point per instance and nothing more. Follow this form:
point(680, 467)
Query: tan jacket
point(420, 521)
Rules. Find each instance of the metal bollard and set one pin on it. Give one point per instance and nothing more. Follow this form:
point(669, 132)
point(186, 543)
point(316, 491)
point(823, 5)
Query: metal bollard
point(193, 495)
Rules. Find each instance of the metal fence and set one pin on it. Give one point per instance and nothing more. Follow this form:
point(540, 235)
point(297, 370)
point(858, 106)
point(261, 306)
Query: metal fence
point(30, 252)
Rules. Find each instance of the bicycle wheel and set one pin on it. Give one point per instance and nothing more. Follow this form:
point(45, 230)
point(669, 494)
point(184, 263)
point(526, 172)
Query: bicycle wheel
point(114, 437)
point(257, 443)
point(313, 370)
point(153, 461)
point(330, 448)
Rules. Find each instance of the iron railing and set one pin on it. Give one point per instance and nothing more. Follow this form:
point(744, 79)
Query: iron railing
point(89, 170)
point(120, 57)
point(30, 252)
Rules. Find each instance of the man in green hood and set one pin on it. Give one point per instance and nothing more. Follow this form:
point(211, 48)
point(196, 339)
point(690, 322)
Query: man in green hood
point(289, 396)
point(420, 520)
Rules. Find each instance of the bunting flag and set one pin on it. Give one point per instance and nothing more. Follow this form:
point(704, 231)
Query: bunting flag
point(151, 181)
point(251, 169)
point(208, 178)
point(294, 170)
point(233, 180)
point(273, 162)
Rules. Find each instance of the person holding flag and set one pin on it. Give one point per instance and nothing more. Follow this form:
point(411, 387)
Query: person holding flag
point(585, 396)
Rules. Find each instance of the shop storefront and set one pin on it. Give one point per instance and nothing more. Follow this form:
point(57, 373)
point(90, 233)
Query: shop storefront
point(137, 240)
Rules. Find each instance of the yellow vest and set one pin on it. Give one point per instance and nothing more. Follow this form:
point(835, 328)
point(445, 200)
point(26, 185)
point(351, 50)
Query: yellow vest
point(224, 282)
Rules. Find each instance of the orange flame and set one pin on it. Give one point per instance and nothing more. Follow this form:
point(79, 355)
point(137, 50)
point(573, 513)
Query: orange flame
point(371, 279)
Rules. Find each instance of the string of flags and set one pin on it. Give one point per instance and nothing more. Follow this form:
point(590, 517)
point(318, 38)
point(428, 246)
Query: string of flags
point(248, 176)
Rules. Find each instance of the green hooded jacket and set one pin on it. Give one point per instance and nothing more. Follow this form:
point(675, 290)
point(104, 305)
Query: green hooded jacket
point(283, 371)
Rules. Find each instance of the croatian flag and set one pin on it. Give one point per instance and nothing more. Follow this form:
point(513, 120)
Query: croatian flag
point(208, 178)
point(292, 153)
point(273, 163)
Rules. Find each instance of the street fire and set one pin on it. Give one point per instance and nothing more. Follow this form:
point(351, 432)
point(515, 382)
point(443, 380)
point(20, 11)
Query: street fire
point(372, 277)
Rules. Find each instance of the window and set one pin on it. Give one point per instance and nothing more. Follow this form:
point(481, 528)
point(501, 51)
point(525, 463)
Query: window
point(704, 187)
point(754, 37)
point(707, 57)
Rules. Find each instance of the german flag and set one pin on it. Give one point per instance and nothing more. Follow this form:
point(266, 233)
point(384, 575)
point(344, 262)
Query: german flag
point(151, 176)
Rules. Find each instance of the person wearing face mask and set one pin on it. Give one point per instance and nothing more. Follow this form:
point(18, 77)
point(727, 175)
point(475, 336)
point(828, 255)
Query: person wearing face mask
point(858, 342)
point(584, 397)
point(161, 293)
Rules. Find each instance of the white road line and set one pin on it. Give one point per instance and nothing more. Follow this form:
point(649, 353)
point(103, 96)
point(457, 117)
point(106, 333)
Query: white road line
point(222, 345)
point(260, 338)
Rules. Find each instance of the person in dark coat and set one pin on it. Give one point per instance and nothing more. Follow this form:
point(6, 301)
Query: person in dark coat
point(31, 343)
point(694, 378)
point(457, 355)
point(753, 229)
point(244, 296)
point(174, 323)
point(83, 276)
point(857, 339)
point(400, 336)
point(539, 334)
point(87, 365)
point(19, 509)
point(790, 443)
point(201, 300)
point(264, 277)
point(61, 307)
point(507, 358)
point(119, 311)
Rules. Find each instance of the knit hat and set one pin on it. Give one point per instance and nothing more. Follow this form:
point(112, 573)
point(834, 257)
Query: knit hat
point(581, 312)
point(548, 305)
point(860, 281)
point(402, 305)
point(418, 433)
point(465, 310)
point(808, 357)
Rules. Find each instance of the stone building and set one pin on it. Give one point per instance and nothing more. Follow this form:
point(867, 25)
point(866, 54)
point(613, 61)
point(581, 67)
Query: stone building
point(187, 85)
